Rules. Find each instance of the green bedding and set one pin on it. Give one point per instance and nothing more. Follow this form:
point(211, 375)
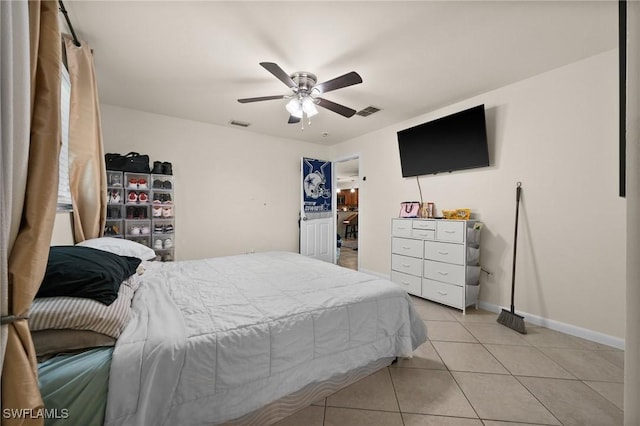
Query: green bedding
point(74, 387)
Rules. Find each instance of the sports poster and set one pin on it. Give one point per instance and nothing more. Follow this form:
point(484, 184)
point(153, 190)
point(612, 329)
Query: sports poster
point(316, 188)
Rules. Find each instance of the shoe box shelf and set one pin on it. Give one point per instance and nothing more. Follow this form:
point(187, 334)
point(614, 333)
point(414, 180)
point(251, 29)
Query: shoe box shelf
point(140, 208)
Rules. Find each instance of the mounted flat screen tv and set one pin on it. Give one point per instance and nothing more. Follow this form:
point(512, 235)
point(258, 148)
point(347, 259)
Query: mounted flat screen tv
point(455, 142)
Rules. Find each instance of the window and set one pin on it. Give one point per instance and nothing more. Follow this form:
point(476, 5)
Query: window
point(64, 190)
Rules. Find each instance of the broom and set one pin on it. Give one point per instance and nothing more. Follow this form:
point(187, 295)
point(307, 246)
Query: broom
point(510, 318)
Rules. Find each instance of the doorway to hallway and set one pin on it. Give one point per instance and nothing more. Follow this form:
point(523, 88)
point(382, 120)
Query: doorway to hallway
point(347, 174)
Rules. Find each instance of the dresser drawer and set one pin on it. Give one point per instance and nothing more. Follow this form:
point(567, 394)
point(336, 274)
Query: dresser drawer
point(442, 292)
point(408, 265)
point(410, 283)
point(450, 231)
point(424, 224)
point(401, 227)
point(406, 247)
point(444, 252)
point(423, 234)
point(447, 272)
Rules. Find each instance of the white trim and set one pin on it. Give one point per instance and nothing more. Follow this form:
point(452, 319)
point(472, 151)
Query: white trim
point(562, 327)
point(348, 158)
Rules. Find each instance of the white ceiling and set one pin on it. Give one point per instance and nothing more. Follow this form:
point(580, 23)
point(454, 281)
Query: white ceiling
point(193, 60)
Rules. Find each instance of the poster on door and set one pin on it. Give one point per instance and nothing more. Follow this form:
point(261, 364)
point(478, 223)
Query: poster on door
point(316, 188)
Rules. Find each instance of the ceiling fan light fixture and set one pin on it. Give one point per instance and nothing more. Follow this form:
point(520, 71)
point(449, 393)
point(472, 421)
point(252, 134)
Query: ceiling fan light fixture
point(294, 108)
point(309, 107)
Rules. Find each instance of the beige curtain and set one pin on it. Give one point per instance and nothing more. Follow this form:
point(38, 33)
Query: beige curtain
point(28, 256)
point(87, 175)
point(15, 117)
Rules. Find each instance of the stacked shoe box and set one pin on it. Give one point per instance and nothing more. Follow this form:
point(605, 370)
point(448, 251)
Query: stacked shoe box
point(162, 216)
point(137, 222)
point(114, 225)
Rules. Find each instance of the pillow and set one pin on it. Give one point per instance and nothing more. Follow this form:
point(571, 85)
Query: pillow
point(85, 272)
point(51, 342)
point(77, 313)
point(120, 246)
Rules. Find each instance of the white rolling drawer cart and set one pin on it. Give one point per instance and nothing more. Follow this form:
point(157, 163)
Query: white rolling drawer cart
point(437, 259)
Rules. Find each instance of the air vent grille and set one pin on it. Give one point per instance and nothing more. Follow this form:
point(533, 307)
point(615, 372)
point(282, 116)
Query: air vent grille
point(368, 111)
point(239, 123)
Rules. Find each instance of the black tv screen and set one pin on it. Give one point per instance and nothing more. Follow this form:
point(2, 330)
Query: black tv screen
point(455, 142)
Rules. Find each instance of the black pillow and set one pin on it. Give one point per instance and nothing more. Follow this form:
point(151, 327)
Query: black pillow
point(78, 271)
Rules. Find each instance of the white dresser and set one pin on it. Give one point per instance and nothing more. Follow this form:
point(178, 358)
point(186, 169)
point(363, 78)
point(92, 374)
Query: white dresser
point(437, 259)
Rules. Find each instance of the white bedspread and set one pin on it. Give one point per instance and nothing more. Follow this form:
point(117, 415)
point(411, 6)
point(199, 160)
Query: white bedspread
point(211, 340)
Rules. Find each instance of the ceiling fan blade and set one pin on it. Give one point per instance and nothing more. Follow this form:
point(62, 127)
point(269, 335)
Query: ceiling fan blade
point(293, 120)
point(279, 73)
point(262, 98)
point(346, 80)
point(337, 108)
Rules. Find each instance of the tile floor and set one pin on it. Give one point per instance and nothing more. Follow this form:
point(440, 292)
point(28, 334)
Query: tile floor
point(349, 256)
point(473, 371)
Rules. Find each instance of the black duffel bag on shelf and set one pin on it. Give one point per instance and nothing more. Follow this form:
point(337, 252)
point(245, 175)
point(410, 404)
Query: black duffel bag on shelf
point(131, 162)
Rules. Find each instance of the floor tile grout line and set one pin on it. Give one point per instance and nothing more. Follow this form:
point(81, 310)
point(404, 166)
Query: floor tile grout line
point(463, 393)
point(393, 385)
point(324, 411)
point(538, 399)
point(363, 409)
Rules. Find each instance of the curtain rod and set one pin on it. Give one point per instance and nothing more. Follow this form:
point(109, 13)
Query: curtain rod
point(66, 17)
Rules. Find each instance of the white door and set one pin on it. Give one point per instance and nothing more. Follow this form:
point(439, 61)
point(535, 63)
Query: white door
point(317, 234)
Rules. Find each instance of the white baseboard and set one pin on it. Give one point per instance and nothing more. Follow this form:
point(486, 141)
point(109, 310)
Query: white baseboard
point(562, 327)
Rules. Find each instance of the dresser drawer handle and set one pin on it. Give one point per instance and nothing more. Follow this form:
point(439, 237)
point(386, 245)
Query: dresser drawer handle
point(406, 265)
point(443, 273)
point(444, 253)
point(406, 248)
point(449, 231)
point(442, 293)
point(406, 283)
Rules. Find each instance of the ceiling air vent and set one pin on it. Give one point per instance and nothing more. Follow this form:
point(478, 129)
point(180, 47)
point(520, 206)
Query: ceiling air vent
point(239, 123)
point(368, 111)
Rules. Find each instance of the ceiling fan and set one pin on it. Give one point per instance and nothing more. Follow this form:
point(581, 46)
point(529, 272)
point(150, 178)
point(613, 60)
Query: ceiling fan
point(305, 90)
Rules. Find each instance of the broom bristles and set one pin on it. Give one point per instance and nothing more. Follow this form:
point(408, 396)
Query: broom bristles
point(512, 320)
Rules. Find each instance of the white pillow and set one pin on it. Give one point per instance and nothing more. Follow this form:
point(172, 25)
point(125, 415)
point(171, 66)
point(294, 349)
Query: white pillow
point(121, 247)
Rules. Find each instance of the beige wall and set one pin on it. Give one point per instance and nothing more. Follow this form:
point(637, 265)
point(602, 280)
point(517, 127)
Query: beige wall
point(62, 230)
point(235, 191)
point(557, 133)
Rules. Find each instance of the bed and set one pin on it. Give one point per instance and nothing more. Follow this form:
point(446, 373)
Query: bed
point(249, 339)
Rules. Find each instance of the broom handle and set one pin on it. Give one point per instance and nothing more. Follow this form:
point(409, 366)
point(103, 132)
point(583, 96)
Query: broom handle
point(515, 243)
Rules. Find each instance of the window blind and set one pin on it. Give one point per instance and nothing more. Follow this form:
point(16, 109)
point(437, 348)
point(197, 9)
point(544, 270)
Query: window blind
point(64, 189)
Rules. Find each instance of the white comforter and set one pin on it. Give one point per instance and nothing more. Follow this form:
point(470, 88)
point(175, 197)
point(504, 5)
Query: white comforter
point(211, 340)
